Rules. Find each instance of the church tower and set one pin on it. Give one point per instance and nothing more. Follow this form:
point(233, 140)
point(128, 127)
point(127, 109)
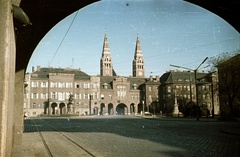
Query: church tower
point(138, 62)
point(106, 60)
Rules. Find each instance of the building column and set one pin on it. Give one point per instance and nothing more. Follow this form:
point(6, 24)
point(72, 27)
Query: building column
point(50, 108)
point(7, 77)
point(18, 106)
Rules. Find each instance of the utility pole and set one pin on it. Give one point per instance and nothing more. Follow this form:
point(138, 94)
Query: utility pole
point(195, 77)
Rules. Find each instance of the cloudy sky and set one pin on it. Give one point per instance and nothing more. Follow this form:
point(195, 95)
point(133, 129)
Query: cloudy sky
point(171, 32)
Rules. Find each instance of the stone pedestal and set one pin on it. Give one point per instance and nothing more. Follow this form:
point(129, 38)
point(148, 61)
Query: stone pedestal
point(175, 111)
point(70, 108)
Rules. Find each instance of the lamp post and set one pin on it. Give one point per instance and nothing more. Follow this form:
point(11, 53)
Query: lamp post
point(195, 77)
point(90, 103)
point(143, 112)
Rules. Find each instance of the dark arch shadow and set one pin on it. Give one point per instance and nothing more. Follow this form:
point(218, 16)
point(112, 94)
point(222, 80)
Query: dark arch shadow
point(27, 38)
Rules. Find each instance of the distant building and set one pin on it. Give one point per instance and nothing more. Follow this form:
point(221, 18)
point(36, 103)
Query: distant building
point(229, 85)
point(179, 88)
point(49, 90)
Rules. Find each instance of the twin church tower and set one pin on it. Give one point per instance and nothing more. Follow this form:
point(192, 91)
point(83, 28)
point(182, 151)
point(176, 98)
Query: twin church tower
point(106, 65)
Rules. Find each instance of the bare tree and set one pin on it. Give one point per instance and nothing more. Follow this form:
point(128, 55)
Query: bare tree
point(228, 74)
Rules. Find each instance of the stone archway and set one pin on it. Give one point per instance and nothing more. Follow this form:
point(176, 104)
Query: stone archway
point(121, 109)
point(132, 109)
point(46, 107)
point(102, 108)
point(110, 109)
point(62, 108)
point(53, 107)
point(95, 111)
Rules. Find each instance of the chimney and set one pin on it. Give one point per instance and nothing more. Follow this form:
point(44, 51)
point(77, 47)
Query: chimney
point(33, 69)
point(38, 67)
point(151, 78)
point(157, 78)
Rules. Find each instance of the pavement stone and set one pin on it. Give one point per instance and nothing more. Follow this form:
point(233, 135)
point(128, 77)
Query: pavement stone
point(129, 136)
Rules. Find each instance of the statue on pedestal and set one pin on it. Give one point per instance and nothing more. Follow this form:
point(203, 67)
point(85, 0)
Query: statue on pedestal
point(70, 104)
point(175, 108)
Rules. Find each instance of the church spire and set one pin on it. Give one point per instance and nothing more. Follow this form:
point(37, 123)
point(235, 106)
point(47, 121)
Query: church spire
point(106, 60)
point(106, 49)
point(138, 50)
point(138, 62)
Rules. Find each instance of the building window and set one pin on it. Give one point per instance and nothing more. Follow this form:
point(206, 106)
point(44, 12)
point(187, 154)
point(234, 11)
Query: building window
point(150, 98)
point(54, 84)
point(95, 85)
point(207, 87)
point(34, 105)
point(61, 84)
point(149, 89)
point(53, 95)
point(77, 96)
point(121, 92)
point(77, 85)
point(34, 84)
point(169, 89)
point(44, 96)
point(86, 96)
point(34, 96)
point(102, 96)
point(61, 96)
point(68, 85)
point(180, 87)
point(68, 95)
point(110, 97)
point(86, 85)
point(105, 85)
point(203, 88)
point(44, 84)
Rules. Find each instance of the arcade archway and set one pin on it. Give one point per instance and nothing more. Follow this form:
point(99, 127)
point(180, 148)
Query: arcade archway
point(62, 108)
point(110, 109)
point(121, 109)
point(54, 107)
point(132, 109)
point(46, 107)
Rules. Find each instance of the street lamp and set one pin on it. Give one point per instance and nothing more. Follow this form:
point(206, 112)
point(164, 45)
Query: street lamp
point(195, 77)
point(90, 103)
point(143, 112)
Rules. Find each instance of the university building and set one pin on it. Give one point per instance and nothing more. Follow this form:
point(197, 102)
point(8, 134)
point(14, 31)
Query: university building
point(181, 94)
point(48, 90)
point(58, 91)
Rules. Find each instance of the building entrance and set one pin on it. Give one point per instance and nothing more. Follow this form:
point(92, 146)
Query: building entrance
point(121, 109)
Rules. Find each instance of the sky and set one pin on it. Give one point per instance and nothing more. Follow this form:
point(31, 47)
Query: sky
point(170, 31)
